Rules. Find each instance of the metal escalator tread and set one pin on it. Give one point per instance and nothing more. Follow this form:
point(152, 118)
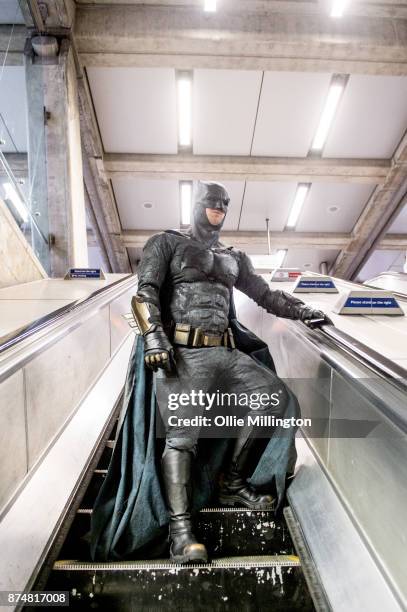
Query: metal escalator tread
point(253, 561)
point(223, 509)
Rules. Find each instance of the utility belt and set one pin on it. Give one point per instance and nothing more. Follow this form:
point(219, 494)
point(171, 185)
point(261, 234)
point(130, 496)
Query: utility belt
point(194, 337)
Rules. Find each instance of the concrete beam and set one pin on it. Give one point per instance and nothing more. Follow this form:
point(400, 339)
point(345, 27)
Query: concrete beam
point(242, 240)
point(100, 199)
point(189, 167)
point(383, 207)
point(185, 37)
point(382, 8)
point(136, 239)
point(48, 15)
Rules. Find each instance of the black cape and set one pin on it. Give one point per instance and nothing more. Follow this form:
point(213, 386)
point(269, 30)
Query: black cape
point(130, 518)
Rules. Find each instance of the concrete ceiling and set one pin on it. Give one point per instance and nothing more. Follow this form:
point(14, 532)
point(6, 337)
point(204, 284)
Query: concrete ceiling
point(371, 119)
point(289, 111)
point(399, 225)
point(248, 113)
point(261, 72)
point(224, 111)
point(136, 109)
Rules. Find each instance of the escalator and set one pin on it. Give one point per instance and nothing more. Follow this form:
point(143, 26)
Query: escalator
point(254, 566)
point(328, 549)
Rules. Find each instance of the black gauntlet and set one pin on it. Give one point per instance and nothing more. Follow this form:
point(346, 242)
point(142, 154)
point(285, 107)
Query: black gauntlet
point(157, 348)
point(314, 318)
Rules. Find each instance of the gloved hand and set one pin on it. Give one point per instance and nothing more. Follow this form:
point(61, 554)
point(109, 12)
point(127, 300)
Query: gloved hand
point(158, 351)
point(314, 318)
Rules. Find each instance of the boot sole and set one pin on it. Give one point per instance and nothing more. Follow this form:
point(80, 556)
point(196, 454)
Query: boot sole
point(231, 501)
point(189, 558)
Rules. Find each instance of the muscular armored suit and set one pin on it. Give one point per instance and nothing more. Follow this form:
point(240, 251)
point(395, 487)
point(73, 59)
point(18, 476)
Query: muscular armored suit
point(182, 308)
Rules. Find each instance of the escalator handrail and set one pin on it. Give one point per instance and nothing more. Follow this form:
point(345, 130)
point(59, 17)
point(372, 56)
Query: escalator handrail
point(11, 340)
point(370, 357)
point(397, 294)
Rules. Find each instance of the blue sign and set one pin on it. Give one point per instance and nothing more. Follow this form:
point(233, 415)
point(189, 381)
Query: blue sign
point(316, 284)
point(85, 273)
point(371, 302)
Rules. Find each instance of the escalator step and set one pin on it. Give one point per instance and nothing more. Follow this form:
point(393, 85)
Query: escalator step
point(246, 561)
point(246, 583)
point(225, 531)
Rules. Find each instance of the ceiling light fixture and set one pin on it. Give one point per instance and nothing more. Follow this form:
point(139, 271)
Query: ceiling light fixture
point(186, 201)
point(338, 8)
point(12, 195)
point(184, 110)
point(328, 113)
point(210, 6)
point(300, 195)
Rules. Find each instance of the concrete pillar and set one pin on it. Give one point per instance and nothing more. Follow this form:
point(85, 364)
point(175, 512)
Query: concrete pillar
point(54, 153)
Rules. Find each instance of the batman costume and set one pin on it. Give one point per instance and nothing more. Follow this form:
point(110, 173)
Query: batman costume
point(183, 310)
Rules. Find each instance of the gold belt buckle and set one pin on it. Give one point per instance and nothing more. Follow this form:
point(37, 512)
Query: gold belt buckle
point(181, 334)
point(197, 338)
point(209, 340)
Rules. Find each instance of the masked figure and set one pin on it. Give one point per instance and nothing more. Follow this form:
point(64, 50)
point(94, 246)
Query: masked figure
point(182, 308)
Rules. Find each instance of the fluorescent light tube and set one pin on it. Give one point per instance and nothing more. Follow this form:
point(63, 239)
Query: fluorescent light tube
point(186, 201)
point(327, 116)
point(300, 195)
point(210, 6)
point(184, 111)
point(14, 198)
point(338, 7)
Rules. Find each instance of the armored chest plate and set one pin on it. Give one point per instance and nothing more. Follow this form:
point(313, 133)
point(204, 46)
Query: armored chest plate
point(193, 262)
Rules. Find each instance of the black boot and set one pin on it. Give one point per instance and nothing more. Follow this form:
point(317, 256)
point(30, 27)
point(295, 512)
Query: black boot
point(176, 469)
point(234, 489)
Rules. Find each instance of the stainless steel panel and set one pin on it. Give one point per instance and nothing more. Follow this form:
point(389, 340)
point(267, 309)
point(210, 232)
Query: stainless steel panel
point(119, 327)
point(301, 367)
point(58, 378)
point(13, 451)
point(371, 474)
point(28, 526)
point(351, 579)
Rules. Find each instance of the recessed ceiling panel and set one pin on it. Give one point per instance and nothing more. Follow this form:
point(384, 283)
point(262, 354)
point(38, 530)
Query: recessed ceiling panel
point(371, 118)
point(147, 204)
point(267, 199)
point(309, 259)
point(135, 108)
point(224, 111)
point(399, 225)
point(13, 109)
point(289, 111)
point(333, 207)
